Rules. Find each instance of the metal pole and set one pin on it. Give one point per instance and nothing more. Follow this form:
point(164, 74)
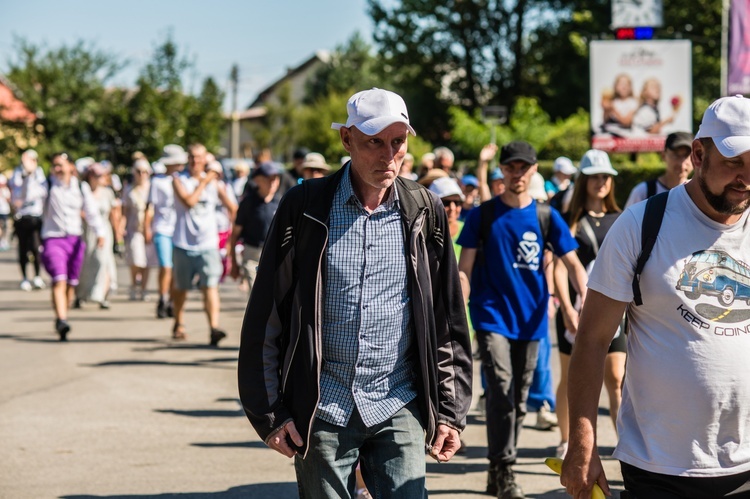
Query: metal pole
point(235, 137)
point(724, 90)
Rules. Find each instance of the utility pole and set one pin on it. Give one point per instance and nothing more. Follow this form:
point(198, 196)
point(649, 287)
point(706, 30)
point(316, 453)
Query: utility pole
point(234, 77)
point(724, 90)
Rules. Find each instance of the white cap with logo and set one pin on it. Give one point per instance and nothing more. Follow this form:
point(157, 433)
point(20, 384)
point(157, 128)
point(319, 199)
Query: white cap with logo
point(595, 161)
point(373, 110)
point(727, 122)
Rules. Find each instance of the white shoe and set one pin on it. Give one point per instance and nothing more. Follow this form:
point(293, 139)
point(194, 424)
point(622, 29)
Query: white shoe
point(26, 285)
point(545, 418)
point(39, 283)
point(561, 450)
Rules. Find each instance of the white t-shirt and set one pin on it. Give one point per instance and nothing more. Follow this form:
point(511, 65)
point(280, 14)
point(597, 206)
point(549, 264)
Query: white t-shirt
point(28, 192)
point(195, 228)
point(62, 211)
point(640, 193)
point(222, 214)
point(161, 197)
point(4, 199)
point(686, 398)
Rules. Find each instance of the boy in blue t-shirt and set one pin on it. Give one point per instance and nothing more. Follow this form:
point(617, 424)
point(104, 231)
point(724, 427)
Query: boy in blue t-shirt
point(508, 302)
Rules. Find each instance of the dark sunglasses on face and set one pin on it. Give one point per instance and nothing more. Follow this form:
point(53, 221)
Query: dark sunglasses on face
point(449, 202)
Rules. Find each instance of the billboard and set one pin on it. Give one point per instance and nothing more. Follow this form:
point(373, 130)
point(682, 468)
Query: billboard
point(738, 78)
point(640, 92)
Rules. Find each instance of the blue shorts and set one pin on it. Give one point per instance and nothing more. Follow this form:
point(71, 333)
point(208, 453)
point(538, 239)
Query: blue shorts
point(163, 245)
point(204, 265)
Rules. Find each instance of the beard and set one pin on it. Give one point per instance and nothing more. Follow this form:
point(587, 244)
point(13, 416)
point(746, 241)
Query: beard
point(720, 202)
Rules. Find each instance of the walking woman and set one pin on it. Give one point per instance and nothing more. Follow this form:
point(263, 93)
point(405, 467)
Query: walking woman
point(99, 275)
point(592, 212)
point(139, 255)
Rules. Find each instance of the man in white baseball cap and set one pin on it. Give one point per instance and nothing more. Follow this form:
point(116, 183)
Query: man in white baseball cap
point(684, 421)
point(356, 293)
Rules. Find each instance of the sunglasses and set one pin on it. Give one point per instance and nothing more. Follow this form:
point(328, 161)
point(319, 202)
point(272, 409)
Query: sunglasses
point(451, 202)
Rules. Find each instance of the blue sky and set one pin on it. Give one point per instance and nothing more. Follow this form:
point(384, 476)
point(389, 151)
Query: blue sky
point(264, 37)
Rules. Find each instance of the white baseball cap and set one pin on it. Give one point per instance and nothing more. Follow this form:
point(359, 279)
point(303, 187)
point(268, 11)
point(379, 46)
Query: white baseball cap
point(445, 187)
point(595, 161)
point(373, 110)
point(727, 122)
point(565, 166)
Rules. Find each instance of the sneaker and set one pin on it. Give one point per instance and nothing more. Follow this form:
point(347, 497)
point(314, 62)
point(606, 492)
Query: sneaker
point(216, 336)
point(63, 328)
point(507, 488)
point(545, 418)
point(76, 304)
point(145, 296)
point(170, 309)
point(39, 283)
point(561, 450)
point(26, 285)
point(133, 295)
point(161, 310)
point(104, 305)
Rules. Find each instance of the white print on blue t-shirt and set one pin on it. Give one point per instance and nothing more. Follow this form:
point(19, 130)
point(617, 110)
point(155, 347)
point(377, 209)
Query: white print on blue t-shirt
point(527, 254)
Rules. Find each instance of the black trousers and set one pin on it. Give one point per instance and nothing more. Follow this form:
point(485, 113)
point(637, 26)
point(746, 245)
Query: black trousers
point(642, 484)
point(28, 230)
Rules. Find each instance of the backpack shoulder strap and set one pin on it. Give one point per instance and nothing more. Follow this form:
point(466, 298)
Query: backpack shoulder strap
point(652, 219)
point(486, 217)
point(650, 188)
point(543, 216)
point(419, 196)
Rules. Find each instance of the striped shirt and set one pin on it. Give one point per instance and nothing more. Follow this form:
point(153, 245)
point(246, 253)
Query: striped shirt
point(368, 359)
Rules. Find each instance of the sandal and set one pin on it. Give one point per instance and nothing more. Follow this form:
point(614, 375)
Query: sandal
point(178, 332)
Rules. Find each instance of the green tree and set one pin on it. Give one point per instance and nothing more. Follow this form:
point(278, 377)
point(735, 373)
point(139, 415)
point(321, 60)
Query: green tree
point(66, 88)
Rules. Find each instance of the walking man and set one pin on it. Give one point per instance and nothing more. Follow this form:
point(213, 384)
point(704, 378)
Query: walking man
point(196, 241)
point(508, 301)
point(63, 247)
point(355, 345)
point(684, 421)
point(28, 190)
point(676, 156)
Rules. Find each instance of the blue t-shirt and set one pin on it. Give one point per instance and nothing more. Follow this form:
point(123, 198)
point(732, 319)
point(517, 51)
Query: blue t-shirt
point(509, 291)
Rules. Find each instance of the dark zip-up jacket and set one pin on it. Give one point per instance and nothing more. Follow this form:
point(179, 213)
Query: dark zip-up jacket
point(281, 347)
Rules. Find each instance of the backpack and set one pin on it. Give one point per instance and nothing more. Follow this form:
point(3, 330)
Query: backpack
point(652, 219)
point(486, 218)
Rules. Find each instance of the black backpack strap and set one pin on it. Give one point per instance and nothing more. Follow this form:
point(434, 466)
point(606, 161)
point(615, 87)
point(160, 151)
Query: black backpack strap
point(543, 216)
point(652, 219)
point(651, 188)
point(486, 217)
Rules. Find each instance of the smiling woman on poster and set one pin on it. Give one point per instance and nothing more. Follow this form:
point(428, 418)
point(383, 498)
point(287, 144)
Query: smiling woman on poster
point(619, 105)
point(647, 118)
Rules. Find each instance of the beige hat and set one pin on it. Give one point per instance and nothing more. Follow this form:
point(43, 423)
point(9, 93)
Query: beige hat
point(431, 175)
point(316, 161)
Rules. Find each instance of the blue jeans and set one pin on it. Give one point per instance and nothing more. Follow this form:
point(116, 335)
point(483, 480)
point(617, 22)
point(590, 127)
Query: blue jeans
point(391, 454)
point(542, 387)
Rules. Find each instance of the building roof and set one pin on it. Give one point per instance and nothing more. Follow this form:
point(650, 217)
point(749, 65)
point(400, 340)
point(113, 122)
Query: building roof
point(11, 108)
point(318, 57)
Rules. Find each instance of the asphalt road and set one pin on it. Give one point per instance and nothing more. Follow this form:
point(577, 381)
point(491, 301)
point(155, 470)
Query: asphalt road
point(121, 411)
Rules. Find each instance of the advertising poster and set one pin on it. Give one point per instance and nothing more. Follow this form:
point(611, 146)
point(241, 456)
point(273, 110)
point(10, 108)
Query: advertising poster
point(641, 91)
point(738, 81)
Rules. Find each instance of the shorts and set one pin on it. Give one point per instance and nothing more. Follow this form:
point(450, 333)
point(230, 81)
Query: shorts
point(619, 342)
point(250, 259)
point(163, 247)
point(62, 258)
point(203, 264)
point(138, 253)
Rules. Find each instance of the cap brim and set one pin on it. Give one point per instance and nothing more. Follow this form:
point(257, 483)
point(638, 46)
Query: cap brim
point(594, 170)
point(731, 147)
point(376, 125)
point(519, 157)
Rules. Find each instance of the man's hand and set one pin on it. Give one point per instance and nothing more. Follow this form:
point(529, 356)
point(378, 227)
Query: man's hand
point(278, 441)
point(487, 153)
point(446, 443)
point(581, 470)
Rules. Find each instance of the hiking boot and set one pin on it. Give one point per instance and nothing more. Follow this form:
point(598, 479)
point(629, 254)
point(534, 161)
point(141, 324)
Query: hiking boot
point(492, 479)
point(170, 309)
point(507, 488)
